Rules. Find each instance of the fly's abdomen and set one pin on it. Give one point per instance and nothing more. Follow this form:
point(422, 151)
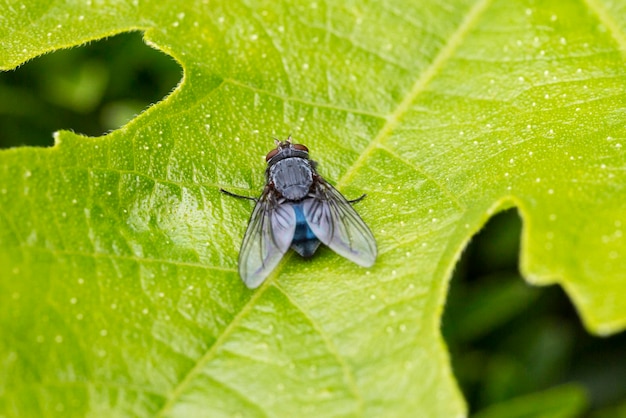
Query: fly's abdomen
point(304, 240)
point(292, 177)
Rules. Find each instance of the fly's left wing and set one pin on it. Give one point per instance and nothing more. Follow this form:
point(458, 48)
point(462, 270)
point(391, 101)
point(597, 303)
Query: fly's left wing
point(269, 235)
point(335, 223)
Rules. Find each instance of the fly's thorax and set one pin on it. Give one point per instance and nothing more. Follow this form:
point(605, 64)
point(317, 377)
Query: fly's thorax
point(292, 177)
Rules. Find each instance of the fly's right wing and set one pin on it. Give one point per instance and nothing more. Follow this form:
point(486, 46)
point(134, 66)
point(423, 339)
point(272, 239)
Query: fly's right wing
point(334, 222)
point(268, 237)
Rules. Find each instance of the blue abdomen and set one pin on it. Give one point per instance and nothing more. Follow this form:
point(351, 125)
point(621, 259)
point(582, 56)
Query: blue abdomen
point(304, 240)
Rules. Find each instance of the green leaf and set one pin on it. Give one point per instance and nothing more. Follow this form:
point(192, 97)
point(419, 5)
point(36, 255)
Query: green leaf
point(618, 411)
point(119, 293)
point(568, 401)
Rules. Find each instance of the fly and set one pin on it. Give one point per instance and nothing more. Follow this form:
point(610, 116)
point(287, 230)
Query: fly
point(299, 209)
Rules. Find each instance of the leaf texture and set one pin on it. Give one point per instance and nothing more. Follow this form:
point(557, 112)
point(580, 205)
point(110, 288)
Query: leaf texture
point(119, 292)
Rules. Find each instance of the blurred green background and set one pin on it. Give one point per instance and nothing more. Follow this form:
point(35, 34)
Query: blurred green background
point(90, 90)
point(510, 343)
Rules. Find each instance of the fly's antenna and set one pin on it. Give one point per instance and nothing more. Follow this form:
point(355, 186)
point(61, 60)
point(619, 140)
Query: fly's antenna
point(289, 138)
point(276, 141)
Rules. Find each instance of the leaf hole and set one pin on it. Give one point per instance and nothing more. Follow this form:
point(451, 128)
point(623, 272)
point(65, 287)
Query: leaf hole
point(508, 339)
point(91, 89)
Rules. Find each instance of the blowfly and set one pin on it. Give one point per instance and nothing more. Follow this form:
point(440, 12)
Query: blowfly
point(299, 209)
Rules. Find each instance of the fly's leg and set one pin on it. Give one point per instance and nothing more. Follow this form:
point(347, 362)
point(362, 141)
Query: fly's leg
point(358, 199)
point(241, 196)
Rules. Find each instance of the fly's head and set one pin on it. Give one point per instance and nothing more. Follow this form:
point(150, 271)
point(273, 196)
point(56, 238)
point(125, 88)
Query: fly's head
point(286, 149)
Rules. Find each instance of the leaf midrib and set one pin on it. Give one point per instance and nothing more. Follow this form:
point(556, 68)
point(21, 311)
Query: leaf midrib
point(392, 120)
point(607, 20)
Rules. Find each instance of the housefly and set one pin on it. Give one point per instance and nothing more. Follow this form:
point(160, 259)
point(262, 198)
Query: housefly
point(299, 209)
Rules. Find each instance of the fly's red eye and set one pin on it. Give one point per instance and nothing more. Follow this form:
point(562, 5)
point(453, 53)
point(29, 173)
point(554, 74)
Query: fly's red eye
point(300, 147)
point(271, 154)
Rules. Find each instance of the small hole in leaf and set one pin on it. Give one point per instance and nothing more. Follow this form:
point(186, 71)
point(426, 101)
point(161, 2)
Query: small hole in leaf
point(508, 339)
point(91, 89)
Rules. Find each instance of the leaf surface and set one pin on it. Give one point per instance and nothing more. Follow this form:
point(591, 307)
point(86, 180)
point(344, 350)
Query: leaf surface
point(119, 293)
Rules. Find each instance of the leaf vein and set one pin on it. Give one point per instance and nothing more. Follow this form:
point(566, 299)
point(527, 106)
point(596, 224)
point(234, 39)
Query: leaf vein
point(196, 369)
point(331, 348)
point(418, 87)
point(609, 22)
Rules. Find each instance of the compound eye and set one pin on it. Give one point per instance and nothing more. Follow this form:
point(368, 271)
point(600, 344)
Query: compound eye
point(300, 147)
point(271, 154)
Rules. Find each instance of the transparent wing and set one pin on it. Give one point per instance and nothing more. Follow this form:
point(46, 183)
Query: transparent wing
point(269, 235)
point(334, 222)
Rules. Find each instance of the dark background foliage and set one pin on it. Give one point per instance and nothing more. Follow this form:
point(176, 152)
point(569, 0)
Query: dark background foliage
point(507, 339)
